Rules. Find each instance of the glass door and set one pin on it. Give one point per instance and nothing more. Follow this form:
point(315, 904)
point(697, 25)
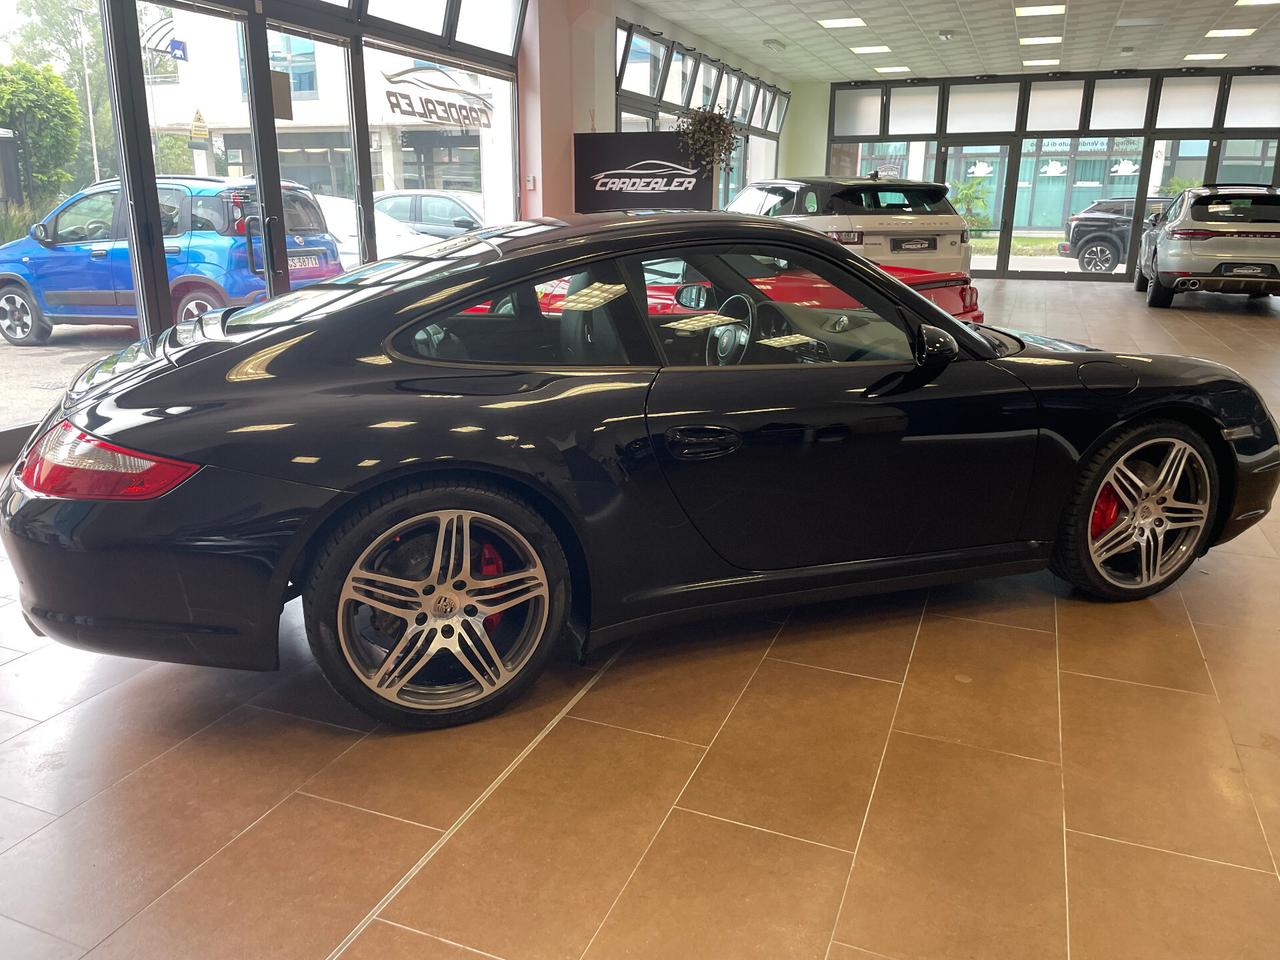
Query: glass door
point(977, 173)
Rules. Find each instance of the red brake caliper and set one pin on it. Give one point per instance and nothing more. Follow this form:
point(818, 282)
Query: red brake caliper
point(491, 566)
point(1106, 511)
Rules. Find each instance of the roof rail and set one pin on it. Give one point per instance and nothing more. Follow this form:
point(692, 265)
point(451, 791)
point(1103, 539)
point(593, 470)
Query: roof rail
point(1261, 186)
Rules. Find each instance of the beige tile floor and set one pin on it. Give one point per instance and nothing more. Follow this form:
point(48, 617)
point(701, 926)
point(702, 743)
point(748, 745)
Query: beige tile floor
point(998, 770)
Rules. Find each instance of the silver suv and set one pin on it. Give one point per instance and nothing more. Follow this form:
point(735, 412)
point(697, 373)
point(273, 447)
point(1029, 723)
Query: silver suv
point(1223, 237)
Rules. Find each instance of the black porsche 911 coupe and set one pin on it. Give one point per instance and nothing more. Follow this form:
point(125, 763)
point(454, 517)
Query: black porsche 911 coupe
point(589, 428)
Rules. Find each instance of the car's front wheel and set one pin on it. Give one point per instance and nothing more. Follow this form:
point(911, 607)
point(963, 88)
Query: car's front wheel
point(437, 604)
point(21, 322)
point(1098, 256)
point(1141, 512)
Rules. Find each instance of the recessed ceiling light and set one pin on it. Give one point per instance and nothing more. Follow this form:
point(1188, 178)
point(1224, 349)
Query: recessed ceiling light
point(893, 69)
point(1204, 56)
point(879, 49)
point(1032, 41)
point(1048, 11)
point(1040, 63)
point(1142, 21)
point(835, 23)
point(1233, 32)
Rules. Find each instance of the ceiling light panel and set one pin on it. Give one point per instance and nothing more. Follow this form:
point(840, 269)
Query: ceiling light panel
point(1046, 11)
point(879, 49)
point(1233, 32)
point(839, 23)
point(1036, 41)
point(893, 69)
point(1040, 63)
point(1204, 56)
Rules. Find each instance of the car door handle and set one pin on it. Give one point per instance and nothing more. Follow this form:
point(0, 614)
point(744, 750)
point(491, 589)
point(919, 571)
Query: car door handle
point(702, 441)
point(172, 251)
point(97, 254)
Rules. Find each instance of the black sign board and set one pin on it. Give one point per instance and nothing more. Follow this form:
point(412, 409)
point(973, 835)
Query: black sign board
point(636, 171)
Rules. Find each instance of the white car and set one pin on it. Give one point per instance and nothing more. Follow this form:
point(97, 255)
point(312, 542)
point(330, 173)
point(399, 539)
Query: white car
point(906, 223)
point(392, 236)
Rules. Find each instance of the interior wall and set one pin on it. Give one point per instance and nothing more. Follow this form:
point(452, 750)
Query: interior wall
point(802, 148)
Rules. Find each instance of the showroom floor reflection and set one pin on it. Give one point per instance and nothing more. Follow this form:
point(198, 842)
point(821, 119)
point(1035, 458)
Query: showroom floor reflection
point(918, 775)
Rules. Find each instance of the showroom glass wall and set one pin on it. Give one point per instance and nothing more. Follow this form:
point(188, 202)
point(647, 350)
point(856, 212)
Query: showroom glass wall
point(658, 79)
point(256, 134)
point(1055, 173)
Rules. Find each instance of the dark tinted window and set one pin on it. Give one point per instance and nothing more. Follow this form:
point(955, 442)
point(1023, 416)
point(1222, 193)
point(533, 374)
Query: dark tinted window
point(1237, 208)
point(570, 319)
point(853, 201)
point(211, 213)
point(302, 214)
point(772, 200)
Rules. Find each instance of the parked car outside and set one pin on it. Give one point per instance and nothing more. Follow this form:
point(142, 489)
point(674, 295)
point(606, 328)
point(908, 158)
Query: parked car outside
point(907, 223)
point(465, 458)
point(1098, 236)
point(73, 267)
point(437, 213)
point(1223, 238)
point(393, 236)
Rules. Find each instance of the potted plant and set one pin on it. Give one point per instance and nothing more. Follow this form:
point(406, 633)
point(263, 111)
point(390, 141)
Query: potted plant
point(709, 138)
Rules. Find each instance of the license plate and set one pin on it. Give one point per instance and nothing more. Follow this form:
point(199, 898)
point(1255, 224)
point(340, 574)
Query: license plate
point(913, 244)
point(1248, 270)
point(296, 263)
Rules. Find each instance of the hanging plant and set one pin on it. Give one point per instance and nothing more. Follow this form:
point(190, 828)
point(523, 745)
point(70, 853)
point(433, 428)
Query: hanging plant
point(709, 137)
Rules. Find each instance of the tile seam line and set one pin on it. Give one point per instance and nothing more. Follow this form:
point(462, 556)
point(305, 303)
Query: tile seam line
point(989, 623)
point(844, 673)
point(975, 746)
point(643, 733)
point(757, 827)
point(1062, 778)
point(875, 782)
point(377, 813)
point(1139, 683)
point(298, 716)
point(431, 936)
point(46, 933)
point(240, 833)
point(466, 815)
point(692, 773)
point(1172, 853)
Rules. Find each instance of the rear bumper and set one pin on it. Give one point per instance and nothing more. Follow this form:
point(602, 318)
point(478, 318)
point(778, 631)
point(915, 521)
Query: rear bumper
point(1186, 282)
point(196, 576)
point(1257, 470)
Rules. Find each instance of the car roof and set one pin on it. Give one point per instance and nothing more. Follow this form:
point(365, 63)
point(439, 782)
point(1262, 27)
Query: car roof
point(846, 182)
point(200, 183)
point(1209, 189)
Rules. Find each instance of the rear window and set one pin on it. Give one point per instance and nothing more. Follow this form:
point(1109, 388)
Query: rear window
point(852, 201)
point(1237, 208)
point(302, 214)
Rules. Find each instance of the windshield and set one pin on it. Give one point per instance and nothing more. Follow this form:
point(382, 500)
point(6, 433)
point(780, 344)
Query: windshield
point(771, 200)
point(1237, 208)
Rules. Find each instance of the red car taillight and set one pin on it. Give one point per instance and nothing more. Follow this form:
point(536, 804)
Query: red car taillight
point(845, 236)
point(969, 296)
point(964, 235)
point(1194, 234)
point(73, 465)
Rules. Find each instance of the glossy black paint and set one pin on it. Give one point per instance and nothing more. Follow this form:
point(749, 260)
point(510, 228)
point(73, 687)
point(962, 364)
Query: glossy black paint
point(779, 483)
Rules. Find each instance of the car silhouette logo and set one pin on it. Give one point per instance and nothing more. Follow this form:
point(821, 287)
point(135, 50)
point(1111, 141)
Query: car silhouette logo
point(914, 245)
point(648, 176)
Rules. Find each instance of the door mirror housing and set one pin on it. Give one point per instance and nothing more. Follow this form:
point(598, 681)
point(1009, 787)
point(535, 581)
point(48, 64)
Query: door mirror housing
point(934, 347)
point(693, 296)
point(40, 233)
point(1153, 219)
point(465, 223)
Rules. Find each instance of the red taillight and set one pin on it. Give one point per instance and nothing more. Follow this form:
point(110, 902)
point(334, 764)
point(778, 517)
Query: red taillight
point(1194, 234)
point(969, 296)
point(964, 236)
point(73, 465)
point(845, 236)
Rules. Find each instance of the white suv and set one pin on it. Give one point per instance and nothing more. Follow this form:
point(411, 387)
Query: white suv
point(906, 223)
point(1223, 237)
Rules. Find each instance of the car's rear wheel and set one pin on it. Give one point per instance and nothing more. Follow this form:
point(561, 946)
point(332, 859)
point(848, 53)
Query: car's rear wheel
point(195, 302)
point(21, 322)
point(1141, 512)
point(1158, 295)
point(1098, 256)
point(1140, 281)
point(437, 604)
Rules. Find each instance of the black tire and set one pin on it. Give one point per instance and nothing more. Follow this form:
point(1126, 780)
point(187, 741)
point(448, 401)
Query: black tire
point(21, 322)
point(1071, 556)
point(1098, 255)
point(195, 302)
point(1158, 295)
point(1140, 280)
point(372, 519)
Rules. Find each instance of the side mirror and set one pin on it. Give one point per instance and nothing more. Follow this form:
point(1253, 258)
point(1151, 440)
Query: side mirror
point(40, 233)
point(466, 223)
point(1153, 219)
point(934, 346)
point(694, 296)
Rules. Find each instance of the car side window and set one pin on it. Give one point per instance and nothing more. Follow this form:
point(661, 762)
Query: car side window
point(574, 318)
point(401, 208)
point(751, 304)
point(88, 219)
point(1174, 210)
point(440, 210)
point(171, 210)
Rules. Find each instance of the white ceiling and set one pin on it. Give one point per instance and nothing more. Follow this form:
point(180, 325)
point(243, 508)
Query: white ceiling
point(985, 35)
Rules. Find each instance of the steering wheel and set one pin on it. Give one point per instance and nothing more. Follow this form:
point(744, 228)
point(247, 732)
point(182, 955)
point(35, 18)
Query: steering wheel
point(727, 343)
point(96, 229)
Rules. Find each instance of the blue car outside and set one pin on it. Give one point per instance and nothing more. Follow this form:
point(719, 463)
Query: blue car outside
point(74, 265)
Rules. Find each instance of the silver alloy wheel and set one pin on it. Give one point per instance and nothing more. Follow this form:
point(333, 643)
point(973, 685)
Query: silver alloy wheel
point(1163, 496)
point(1098, 258)
point(15, 316)
point(193, 309)
point(437, 633)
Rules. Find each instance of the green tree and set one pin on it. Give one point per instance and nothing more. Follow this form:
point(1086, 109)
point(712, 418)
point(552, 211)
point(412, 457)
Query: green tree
point(173, 155)
point(39, 105)
point(1175, 185)
point(970, 195)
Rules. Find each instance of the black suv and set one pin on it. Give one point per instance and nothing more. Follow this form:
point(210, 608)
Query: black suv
point(1098, 235)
